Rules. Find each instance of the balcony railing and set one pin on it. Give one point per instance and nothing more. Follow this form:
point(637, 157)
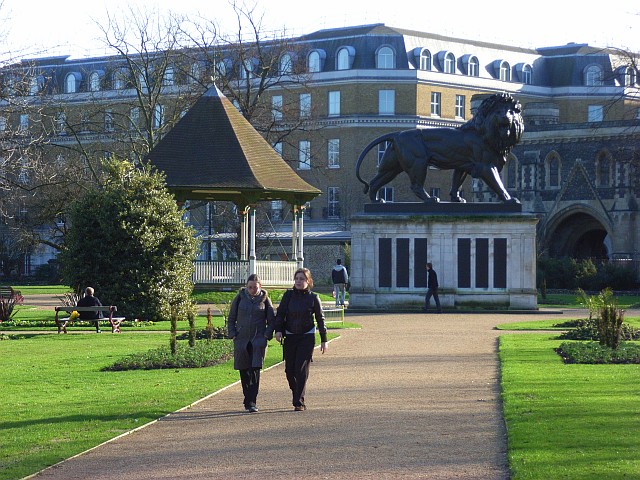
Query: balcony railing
point(271, 273)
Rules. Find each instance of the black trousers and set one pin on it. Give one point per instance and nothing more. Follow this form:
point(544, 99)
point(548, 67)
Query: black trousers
point(432, 292)
point(298, 355)
point(250, 380)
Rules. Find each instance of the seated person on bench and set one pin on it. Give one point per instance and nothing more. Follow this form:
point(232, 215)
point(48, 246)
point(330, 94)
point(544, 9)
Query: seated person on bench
point(90, 301)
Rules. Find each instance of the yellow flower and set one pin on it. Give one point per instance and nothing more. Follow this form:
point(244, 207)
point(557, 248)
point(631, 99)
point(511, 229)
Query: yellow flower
point(74, 315)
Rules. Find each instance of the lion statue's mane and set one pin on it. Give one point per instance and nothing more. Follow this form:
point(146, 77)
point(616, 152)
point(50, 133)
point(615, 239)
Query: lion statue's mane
point(478, 148)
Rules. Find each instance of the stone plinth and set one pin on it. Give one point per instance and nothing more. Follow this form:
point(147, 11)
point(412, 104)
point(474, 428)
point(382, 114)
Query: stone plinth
point(484, 253)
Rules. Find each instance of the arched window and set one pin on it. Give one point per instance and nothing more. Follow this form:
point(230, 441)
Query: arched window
point(425, 60)
point(286, 64)
point(313, 62)
point(553, 171)
point(449, 63)
point(246, 70)
point(629, 77)
point(94, 82)
point(505, 72)
point(168, 78)
point(527, 74)
point(36, 85)
point(385, 58)
point(603, 173)
point(593, 76)
point(343, 62)
point(474, 67)
point(195, 73)
point(119, 79)
point(71, 83)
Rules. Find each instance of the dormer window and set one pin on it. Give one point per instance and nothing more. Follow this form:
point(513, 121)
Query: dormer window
point(385, 58)
point(629, 78)
point(344, 58)
point(168, 79)
point(36, 85)
point(72, 82)
point(505, 72)
point(94, 81)
point(425, 60)
point(524, 72)
point(119, 79)
point(286, 64)
point(449, 63)
point(593, 76)
point(313, 62)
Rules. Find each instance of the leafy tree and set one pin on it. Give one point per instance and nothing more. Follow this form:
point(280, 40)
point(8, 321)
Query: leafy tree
point(128, 240)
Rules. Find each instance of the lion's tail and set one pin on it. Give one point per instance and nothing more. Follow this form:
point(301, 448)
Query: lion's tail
point(366, 150)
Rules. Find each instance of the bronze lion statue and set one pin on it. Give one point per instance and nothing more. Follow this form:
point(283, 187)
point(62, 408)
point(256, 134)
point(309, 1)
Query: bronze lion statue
point(478, 148)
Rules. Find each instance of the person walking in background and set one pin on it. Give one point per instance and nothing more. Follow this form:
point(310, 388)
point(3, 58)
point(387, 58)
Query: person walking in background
point(432, 289)
point(340, 278)
point(89, 300)
point(294, 322)
point(250, 324)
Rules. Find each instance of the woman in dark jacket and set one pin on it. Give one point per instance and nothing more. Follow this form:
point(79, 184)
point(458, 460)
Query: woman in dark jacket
point(250, 325)
point(295, 322)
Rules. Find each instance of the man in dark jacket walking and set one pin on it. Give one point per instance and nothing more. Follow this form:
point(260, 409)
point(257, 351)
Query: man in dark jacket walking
point(340, 278)
point(432, 288)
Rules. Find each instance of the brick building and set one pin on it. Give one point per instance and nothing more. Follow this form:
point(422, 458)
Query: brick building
point(576, 167)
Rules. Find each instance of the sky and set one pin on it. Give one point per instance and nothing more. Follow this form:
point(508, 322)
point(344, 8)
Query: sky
point(68, 27)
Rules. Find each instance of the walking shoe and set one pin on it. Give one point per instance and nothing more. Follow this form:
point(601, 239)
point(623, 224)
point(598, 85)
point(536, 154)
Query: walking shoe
point(98, 331)
point(299, 408)
point(252, 409)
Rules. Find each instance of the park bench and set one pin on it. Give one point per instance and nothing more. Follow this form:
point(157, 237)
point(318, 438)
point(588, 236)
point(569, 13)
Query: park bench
point(6, 292)
point(62, 323)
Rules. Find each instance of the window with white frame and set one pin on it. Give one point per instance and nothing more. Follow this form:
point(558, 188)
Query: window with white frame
point(108, 121)
point(593, 76)
point(385, 58)
point(36, 85)
point(333, 153)
point(334, 103)
point(305, 105)
point(460, 110)
point(158, 116)
point(595, 113)
point(119, 79)
point(313, 62)
point(195, 72)
point(333, 202)
point(286, 64)
point(527, 75)
point(629, 77)
point(246, 70)
point(142, 81)
point(343, 59)
point(304, 155)
point(449, 63)
point(70, 83)
point(435, 103)
point(276, 107)
point(425, 60)
point(94, 82)
point(386, 194)
point(474, 67)
point(386, 102)
point(278, 148)
point(382, 147)
point(169, 77)
point(505, 72)
point(221, 69)
point(134, 118)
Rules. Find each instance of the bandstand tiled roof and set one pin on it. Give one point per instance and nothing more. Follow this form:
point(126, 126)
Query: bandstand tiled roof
point(213, 153)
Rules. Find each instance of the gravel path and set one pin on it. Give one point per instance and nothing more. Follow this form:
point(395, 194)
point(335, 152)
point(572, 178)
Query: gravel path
point(407, 396)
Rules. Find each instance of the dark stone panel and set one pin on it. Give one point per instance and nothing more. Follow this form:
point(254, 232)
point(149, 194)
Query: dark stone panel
point(464, 263)
point(402, 262)
point(500, 263)
point(482, 263)
point(420, 259)
point(443, 208)
point(384, 262)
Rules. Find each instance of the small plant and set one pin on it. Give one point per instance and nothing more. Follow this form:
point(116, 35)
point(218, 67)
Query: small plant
point(8, 304)
point(604, 309)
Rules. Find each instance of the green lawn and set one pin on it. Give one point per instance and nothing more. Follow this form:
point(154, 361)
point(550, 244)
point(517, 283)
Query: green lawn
point(571, 301)
point(57, 402)
point(568, 421)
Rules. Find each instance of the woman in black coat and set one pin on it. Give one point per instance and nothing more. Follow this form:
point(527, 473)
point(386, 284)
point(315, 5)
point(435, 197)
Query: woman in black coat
point(295, 322)
point(250, 325)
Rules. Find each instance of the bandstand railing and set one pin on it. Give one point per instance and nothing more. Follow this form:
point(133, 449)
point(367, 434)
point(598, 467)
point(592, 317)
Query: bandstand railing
point(273, 273)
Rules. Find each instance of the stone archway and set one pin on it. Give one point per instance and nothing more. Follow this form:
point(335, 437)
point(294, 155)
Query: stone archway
point(577, 234)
